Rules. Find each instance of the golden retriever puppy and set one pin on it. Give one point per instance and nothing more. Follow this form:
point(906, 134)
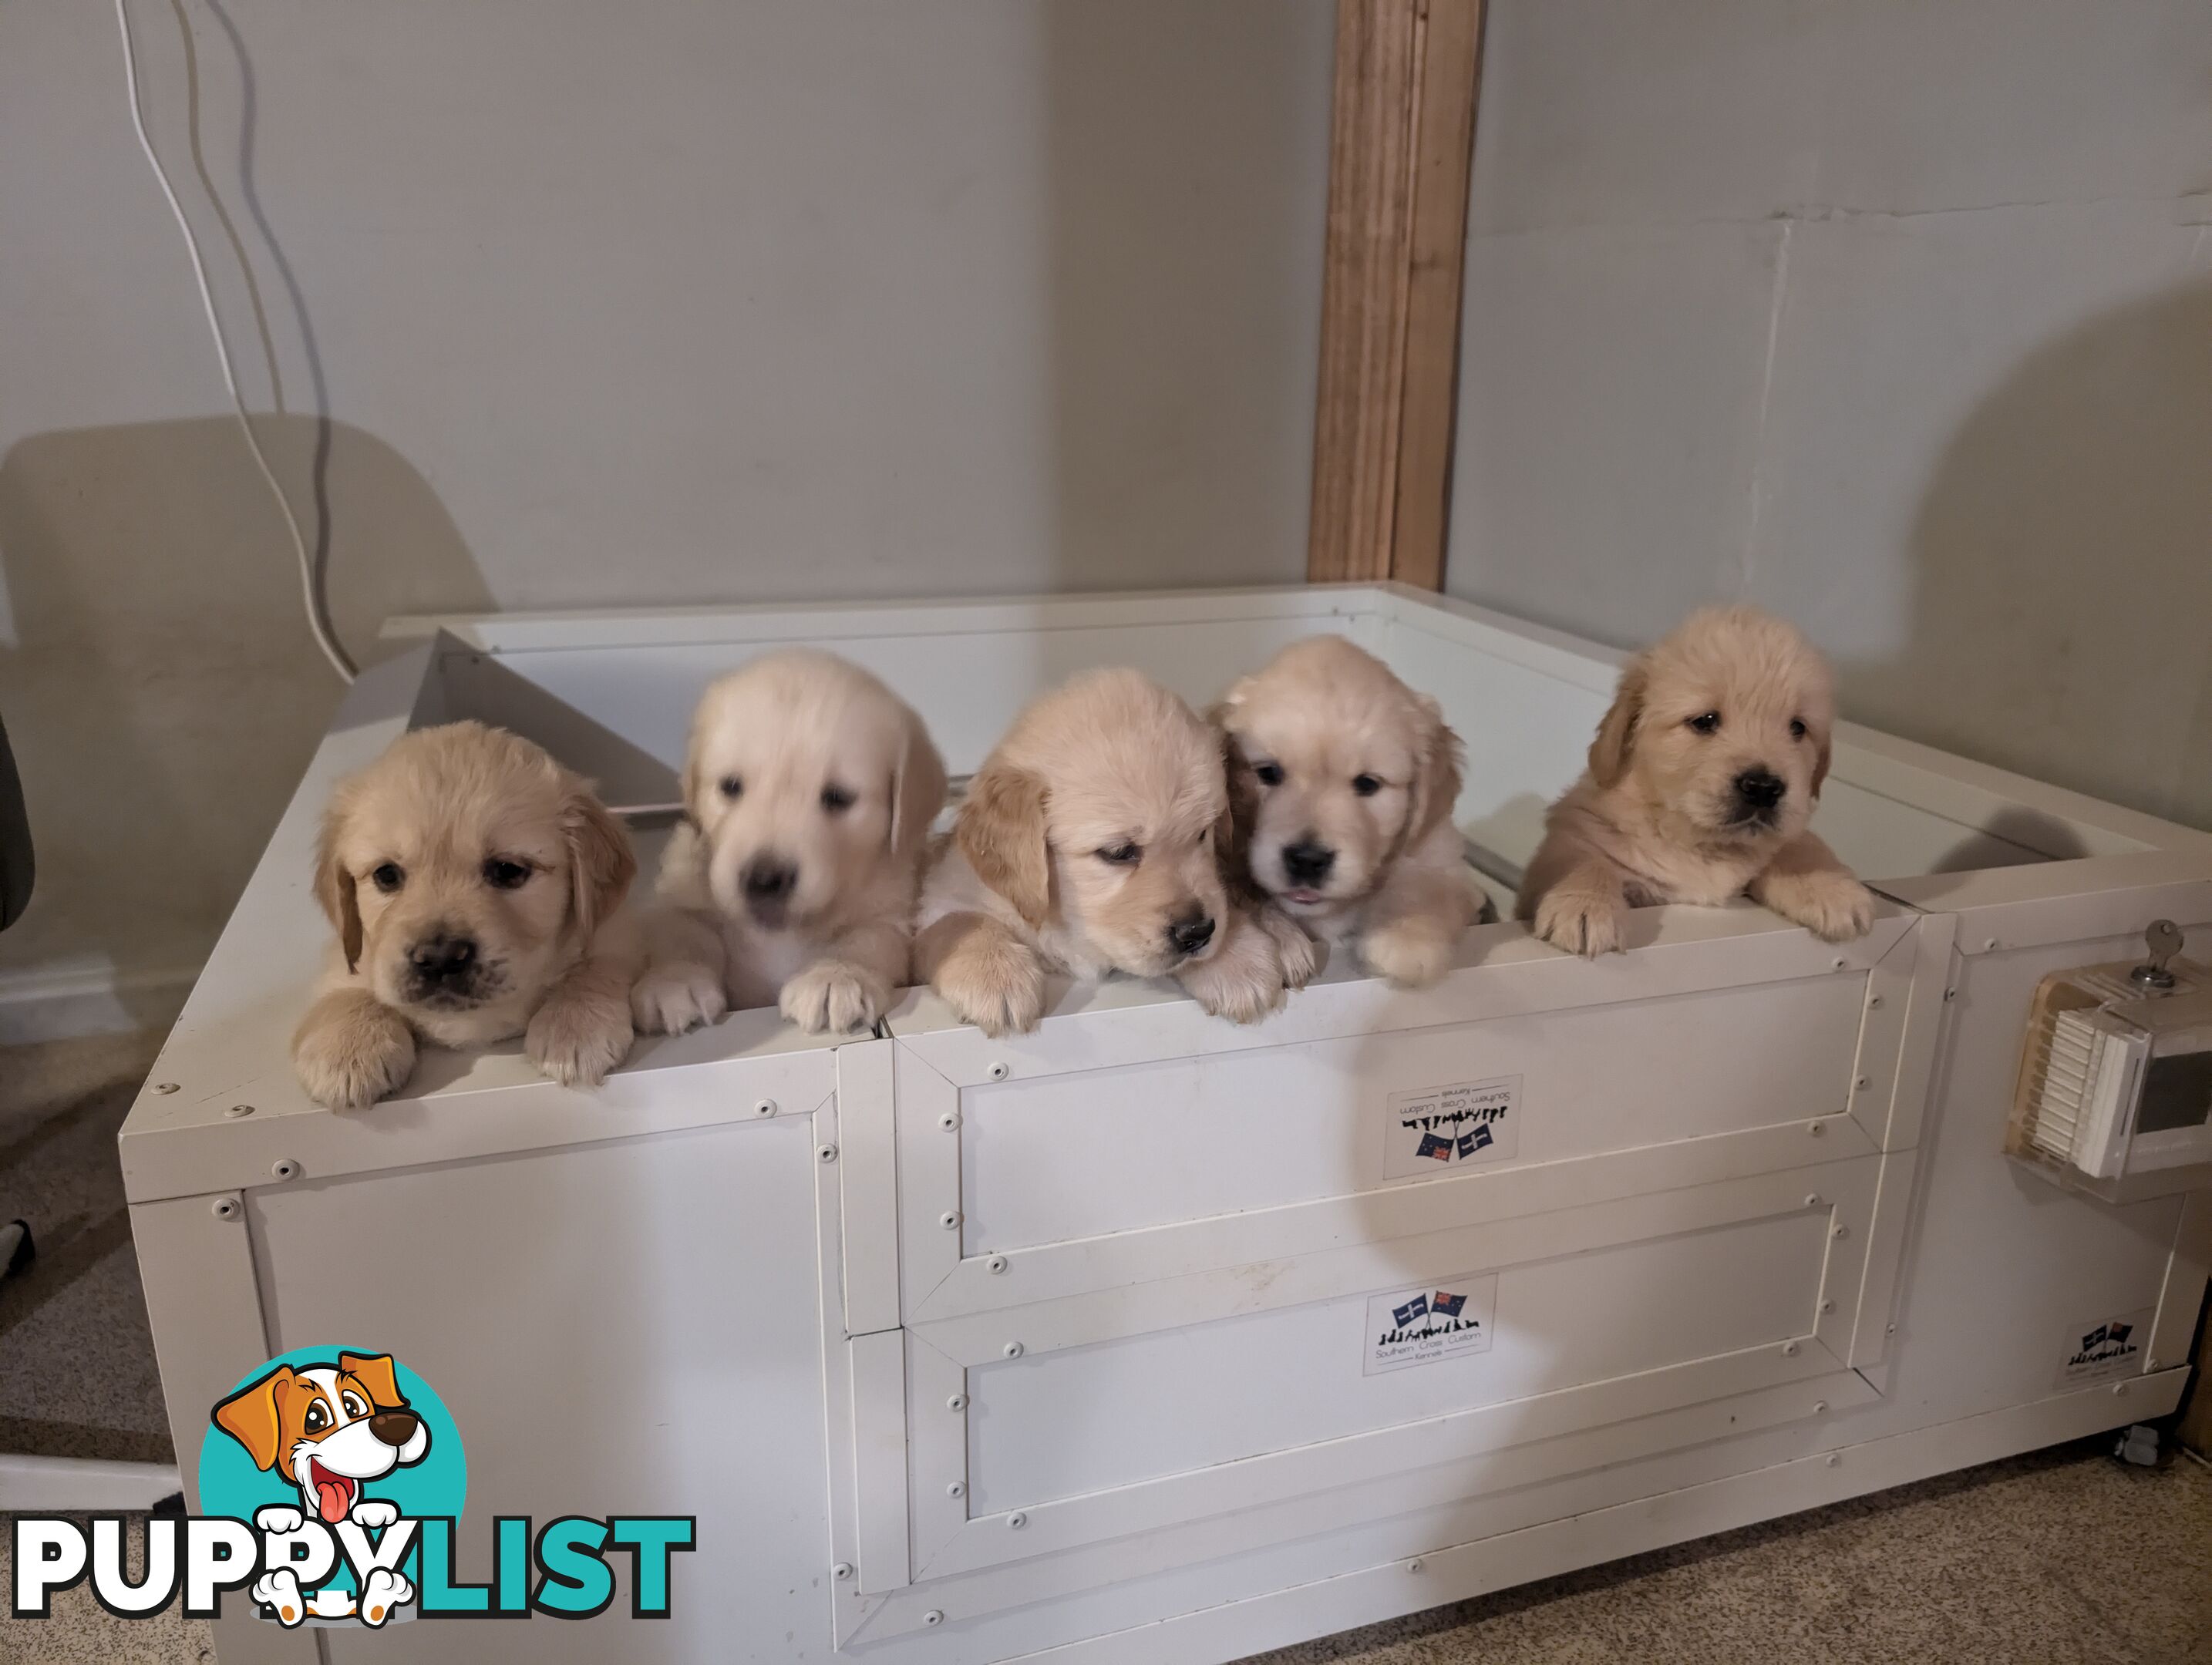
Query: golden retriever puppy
point(1343, 779)
point(1701, 780)
point(474, 884)
point(808, 793)
point(1093, 840)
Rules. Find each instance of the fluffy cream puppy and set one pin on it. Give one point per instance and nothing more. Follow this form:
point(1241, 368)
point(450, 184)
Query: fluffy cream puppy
point(474, 884)
point(1343, 779)
point(808, 793)
point(1701, 780)
point(1093, 840)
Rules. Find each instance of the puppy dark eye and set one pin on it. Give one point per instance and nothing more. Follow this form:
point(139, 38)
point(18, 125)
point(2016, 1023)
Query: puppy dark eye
point(316, 1418)
point(731, 786)
point(388, 877)
point(1796, 728)
point(1120, 855)
point(1366, 784)
point(504, 875)
point(1268, 774)
point(1708, 723)
point(836, 799)
point(354, 1406)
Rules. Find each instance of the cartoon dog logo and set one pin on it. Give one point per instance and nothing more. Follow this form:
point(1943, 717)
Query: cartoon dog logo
point(328, 1429)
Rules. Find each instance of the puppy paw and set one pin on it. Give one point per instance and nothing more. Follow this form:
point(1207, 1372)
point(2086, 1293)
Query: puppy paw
point(381, 1592)
point(374, 1514)
point(352, 1055)
point(576, 1042)
point(1242, 980)
point(1830, 904)
point(1297, 954)
point(999, 987)
point(834, 995)
point(1581, 921)
point(1406, 954)
point(278, 1517)
point(668, 1000)
point(279, 1591)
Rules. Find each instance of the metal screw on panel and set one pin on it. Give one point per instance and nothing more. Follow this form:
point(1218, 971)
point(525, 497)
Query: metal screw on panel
point(1788, 1349)
point(165, 1086)
point(1864, 1083)
point(934, 1616)
point(1950, 994)
point(1841, 1230)
point(1832, 1459)
point(1413, 1565)
point(1815, 1128)
point(1820, 1407)
point(224, 1208)
point(764, 1107)
point(997, 1263)
point(1811, 1199)
point(999, 1072)
point(842, 1570)
point(1838, 962)
point(1892, 1330)
point(1875, 1004)
point(238, 1109)
point(1991, 944)
point(2155, 1365)
point(950, 1219)
point(827, 1152)
point(1011, 1350)
point(957, 1402)
point(1828, 1305)
point(287, 1168)
point(2120, 1389)
point(958, 1489)
point(949, 1120)
point(1018, 1520)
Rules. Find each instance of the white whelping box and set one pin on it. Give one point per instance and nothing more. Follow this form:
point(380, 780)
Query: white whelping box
point(1149, 1338)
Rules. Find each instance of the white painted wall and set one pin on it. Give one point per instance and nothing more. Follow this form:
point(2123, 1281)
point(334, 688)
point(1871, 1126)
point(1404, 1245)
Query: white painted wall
point(1894, 315)
point(655, 302)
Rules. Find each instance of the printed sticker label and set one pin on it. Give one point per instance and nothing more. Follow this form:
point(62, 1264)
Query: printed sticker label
point(2107, 1347)
point(1429, 1323)
point(1434, 1130)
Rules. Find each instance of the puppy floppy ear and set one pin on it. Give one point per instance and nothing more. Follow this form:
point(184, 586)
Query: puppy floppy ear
point(334, 885)
point(1436, 783)
point(1001, 832)
point(1616, 735)
point(374, 1373)
point(601, 861)
point(917, 788)
point(254, 1415)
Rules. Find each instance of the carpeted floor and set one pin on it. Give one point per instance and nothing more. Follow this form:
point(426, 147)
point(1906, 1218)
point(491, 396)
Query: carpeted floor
point(2060, 1557)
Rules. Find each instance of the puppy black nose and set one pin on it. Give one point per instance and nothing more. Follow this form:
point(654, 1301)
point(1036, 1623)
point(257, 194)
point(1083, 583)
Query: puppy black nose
point(768, 878)
point(394, 1428)
point(1760, 789)
point(1191, 933)
point(441, 959)
point(1307, 862)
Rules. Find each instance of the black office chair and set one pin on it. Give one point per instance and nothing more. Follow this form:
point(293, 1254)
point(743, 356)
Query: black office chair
point(16, 874)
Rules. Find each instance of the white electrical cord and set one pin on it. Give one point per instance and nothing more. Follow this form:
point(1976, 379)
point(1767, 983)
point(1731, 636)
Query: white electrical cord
point(317, 620)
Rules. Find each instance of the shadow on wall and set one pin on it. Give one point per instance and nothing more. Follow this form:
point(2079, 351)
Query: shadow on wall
point(162, 689)
point(1186, 182)
point(2062, 569)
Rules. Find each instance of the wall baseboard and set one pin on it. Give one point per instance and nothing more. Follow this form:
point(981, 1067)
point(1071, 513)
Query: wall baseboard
point(59, 1002)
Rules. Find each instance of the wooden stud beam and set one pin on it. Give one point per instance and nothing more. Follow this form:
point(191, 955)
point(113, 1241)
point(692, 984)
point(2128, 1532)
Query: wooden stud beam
point(1401, 142)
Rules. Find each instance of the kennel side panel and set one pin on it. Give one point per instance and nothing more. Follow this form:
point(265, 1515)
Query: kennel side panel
point(967, 670)
point(627, 1327)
